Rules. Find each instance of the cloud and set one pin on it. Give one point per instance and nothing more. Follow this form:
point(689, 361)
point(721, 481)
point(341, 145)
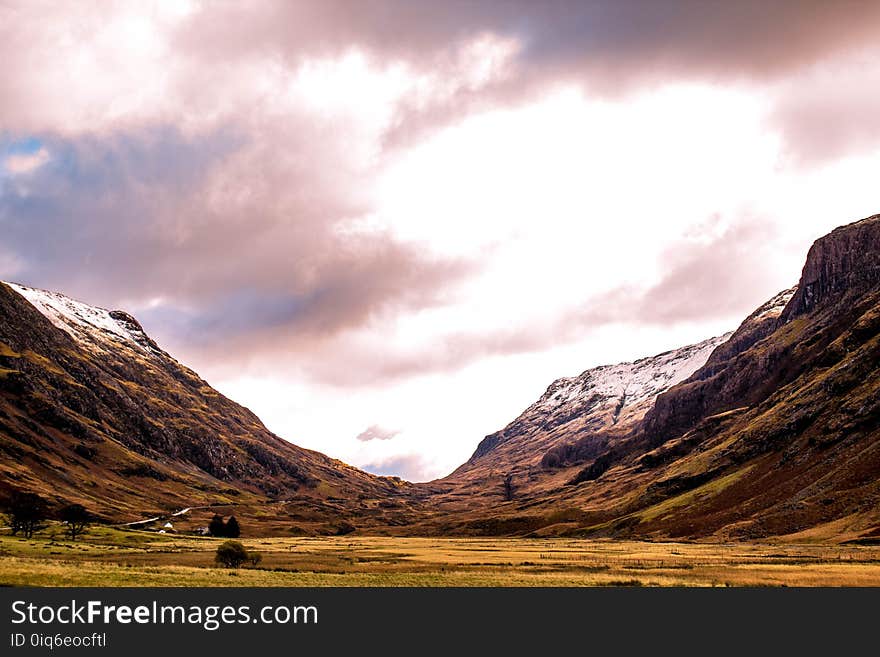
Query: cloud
point(720, 272)
point(411, 467)
point(710, 276)
point(231, 206)
point(830, 111)
point(153, 65)
point(235, 242)
point(375, 432)
point(610, 47)
point(25, 163)
point(748, 38)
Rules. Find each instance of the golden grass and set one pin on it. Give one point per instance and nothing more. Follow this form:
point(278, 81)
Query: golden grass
point(7, 352)
point(110, 557)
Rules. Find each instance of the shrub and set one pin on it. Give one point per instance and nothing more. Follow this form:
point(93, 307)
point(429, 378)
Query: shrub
point(231, 554)
point(228, 529)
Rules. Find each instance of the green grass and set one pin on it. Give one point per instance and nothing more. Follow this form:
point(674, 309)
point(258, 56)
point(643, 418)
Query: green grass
point(708, 489)
point(114, 557)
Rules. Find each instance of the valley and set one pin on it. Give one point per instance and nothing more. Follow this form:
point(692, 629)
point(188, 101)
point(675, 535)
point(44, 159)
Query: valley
point(766, 438)
point(109, 557)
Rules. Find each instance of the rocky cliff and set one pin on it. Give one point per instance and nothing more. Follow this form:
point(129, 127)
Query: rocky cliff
point(843, 264)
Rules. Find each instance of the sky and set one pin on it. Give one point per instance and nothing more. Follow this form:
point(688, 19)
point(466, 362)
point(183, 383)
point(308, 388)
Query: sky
point(386, 227)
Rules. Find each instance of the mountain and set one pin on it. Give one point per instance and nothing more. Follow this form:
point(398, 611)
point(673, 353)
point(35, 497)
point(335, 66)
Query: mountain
point(770, 431)
point(93, 411)
point(776, 433)
point(610, 397)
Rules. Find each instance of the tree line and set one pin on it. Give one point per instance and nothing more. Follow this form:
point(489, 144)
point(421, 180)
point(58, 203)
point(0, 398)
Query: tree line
point(28, 513)
point(228, 529)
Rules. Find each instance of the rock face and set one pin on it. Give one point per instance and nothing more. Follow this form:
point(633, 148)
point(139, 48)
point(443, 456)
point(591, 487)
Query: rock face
point(721, 383)
point(844, 262)
point(93, 411)
point(755, 328)
point(841, 268)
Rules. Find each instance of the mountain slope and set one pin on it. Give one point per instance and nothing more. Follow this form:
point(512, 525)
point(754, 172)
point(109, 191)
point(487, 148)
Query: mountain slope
point(777, 433)
point(773, 430)
point(93, 411)
point(601, 398)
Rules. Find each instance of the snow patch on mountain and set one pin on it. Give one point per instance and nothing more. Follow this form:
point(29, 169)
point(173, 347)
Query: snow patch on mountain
point(630, 384)
point(775, 306)
point(634, 382)
point(88, 325)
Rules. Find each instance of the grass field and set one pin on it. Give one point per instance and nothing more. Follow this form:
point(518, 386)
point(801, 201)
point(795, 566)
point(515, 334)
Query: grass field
point(112, 557)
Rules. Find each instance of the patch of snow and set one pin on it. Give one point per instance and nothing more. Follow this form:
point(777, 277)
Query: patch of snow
point(86, 324)
point(631, 383)
point(775, 306)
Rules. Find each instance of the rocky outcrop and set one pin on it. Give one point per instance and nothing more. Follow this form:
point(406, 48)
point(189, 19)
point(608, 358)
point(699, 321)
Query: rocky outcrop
point(844, 262)
point(844, 265)
point(728, 379)
point(755, 328)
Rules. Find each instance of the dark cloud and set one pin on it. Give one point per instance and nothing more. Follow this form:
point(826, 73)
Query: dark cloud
point(611, 47)
point(375, 432)
point(606, 38)
point(234, 241)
